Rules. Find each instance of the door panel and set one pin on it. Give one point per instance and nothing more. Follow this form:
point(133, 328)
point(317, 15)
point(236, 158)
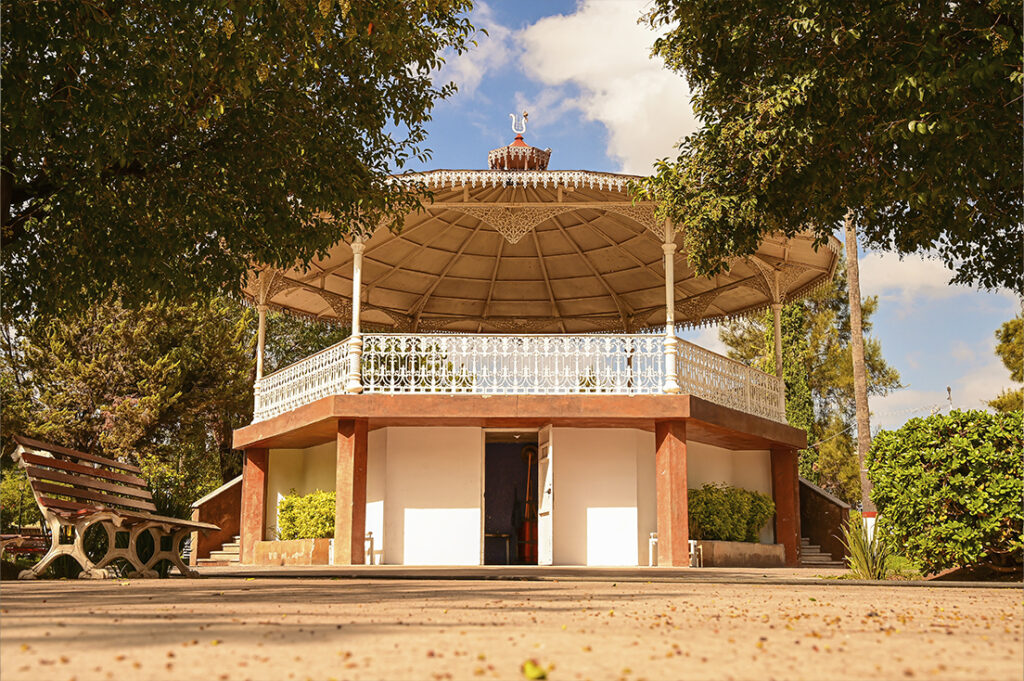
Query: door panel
point(545, 496)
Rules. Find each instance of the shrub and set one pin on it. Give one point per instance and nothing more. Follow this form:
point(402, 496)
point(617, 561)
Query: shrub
point(949, 489)
point(867, 558)
point(17, 505)
point(309, 516)
point(728, 513)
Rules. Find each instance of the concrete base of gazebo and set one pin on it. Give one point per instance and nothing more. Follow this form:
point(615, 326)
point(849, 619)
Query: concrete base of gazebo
point(410, 469)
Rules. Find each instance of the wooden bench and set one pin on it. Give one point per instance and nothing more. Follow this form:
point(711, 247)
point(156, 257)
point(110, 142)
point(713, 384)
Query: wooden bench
point(76, 490)
point(24, 542)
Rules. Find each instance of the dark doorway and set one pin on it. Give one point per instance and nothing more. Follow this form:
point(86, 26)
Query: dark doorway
point(510, 498)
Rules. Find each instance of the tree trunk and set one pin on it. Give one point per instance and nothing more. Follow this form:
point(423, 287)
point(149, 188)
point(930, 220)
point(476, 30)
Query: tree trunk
point(860, 375)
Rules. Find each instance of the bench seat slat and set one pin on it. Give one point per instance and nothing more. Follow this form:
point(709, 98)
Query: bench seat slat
point(74, 507)
point(88, 495)
point(90, 471)
point(83, 481)
point(82, 456)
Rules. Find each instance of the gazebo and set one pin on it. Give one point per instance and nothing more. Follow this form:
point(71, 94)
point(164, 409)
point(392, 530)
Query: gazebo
point(522, 308)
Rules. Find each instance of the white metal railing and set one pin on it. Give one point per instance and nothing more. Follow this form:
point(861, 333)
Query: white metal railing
point(487, 364)
point(730, 383)
point(305, 381)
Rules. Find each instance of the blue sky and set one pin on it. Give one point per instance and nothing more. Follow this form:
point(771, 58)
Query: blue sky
point(582, 70)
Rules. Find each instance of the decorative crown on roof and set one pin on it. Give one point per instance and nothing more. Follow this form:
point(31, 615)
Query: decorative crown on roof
point(518, 155)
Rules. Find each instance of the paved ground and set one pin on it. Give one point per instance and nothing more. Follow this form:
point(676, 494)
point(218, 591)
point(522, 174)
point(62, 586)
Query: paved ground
point(222, 628)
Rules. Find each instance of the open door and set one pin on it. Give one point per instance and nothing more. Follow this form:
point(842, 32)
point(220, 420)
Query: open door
point(545, 497)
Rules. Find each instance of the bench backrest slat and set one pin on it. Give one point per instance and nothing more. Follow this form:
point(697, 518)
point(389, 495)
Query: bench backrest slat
point(83, 481)
point(65, 505)
point(77, 494)
point(89, 471)
point(74, 453)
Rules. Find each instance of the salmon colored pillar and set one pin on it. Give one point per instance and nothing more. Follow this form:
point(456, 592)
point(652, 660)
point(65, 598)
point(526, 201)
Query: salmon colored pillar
point(254, 502)
point(350, 494)
point(673, 514)
point(786, 494)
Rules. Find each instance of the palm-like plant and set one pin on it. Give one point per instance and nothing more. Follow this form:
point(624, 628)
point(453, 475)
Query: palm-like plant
point(867, 556)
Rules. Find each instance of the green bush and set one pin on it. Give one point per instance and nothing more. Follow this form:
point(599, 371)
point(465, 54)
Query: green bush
point(728, 513)
point(17, 505)
point(310, 516)
point(949, 489)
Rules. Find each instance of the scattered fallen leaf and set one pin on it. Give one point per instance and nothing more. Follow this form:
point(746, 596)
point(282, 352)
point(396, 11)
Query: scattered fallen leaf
point(533, 671)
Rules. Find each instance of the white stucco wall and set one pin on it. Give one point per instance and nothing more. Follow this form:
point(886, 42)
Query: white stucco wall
point(304, 470)
point(646, 495)
point(376, 478)
point(747, 469)
point(596, 515)
point(433, 492)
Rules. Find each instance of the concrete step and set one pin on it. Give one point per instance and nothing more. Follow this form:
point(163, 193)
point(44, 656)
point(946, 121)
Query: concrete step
point(233, 547)
point(815, 558)
point(209, 562)
point(224, 556)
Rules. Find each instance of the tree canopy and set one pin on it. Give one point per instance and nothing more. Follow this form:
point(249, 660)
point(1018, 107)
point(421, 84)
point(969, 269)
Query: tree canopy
point(818, 371)
point(162, 146)
point(162, 385)
point(907, 113)
point(1010, 348)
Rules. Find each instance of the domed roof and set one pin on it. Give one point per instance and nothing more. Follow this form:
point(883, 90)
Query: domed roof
point(536, 251)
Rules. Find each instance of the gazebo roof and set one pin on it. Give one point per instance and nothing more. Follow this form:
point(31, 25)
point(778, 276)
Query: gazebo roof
point(535, 251)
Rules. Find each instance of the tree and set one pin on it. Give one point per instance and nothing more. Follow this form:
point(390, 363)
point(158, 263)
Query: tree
point(1010, 348)
point(950, 489)
point(818, 371)
point(860, 377)
point(162, 147)
point(815, 108)
point(162, 385)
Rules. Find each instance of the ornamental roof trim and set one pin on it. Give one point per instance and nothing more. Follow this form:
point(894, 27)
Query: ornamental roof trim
point(582, 179)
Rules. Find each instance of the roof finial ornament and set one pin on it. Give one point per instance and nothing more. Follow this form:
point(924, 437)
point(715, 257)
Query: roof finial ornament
point(514, 128)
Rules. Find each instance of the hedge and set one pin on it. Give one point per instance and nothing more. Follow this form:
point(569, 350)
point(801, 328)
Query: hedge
point(310, 516)
point(728, 513)
point(949, 489)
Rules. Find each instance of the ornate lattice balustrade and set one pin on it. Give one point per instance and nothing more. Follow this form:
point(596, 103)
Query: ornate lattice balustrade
point(513, 365)
point(483, 364)
point(730, 383)
point(305, 381)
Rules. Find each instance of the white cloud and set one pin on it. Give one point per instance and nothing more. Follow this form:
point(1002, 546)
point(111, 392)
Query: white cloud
point(495, 48)
point(911, 278)
point(707, 338)
point(602, 50)
point(979, 381)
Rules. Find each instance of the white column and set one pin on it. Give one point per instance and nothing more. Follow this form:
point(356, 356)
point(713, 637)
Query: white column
point(671, 350)
point(777, 314)
point(355, 344)
point(261, 341)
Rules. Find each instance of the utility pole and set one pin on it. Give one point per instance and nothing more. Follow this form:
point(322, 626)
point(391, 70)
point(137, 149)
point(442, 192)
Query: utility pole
point(860, 374)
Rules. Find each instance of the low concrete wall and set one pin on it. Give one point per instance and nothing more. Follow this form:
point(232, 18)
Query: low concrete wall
point(822, 517)
point(293, 552)
point(742, 554)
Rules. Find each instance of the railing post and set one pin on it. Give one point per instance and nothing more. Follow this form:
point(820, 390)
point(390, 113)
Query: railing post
point(355, 345)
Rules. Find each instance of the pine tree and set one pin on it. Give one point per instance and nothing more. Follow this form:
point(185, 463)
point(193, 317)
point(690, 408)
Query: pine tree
point(818, 371)
point(1011, 350)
